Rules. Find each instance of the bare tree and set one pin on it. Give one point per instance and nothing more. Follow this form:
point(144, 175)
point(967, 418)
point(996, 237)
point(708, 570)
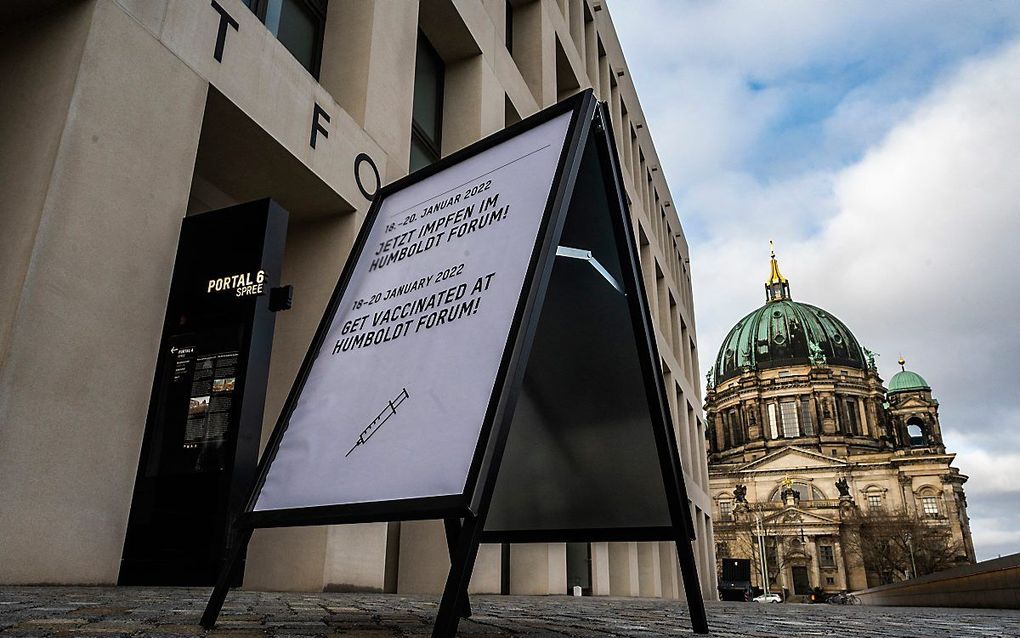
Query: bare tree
point(749, 523)
point(893, 545)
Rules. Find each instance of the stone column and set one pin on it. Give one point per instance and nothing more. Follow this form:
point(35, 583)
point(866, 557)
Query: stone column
point(649, 574)
point(105, 121)
point(361, 570)
point(812, 551)
point(600, 569)
point(623, 569)
point(668, 566)
point(368, 57)
point(844, 572)
point(424, 558)
point(538, 569)
point(907, 494)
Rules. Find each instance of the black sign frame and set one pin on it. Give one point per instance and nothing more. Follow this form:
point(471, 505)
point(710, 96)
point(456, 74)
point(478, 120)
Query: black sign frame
point(464, 514)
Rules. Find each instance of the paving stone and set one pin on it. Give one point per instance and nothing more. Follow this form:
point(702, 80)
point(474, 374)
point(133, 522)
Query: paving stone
point(138, 612)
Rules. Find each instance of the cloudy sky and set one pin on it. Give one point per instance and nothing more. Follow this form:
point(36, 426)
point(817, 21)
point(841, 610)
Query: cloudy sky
point(878, 144)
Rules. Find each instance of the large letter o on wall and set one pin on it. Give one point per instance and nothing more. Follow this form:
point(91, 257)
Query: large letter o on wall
point(360, 160)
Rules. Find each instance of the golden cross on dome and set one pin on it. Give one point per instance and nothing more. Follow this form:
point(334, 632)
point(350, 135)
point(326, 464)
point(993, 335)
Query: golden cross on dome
point(776, 286)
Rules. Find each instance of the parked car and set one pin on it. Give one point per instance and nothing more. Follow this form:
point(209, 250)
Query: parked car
point(768, 598)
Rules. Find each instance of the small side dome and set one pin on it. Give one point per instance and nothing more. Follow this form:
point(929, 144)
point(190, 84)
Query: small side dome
point(906, 381)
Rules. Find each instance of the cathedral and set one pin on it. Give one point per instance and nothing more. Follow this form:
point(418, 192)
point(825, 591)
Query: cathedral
point(823, 478)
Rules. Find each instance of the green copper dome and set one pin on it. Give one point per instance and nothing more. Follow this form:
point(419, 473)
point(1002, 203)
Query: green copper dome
point(784, 332)
point(905, 380)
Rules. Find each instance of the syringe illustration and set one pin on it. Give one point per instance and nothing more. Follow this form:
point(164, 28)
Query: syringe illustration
point(377, 422)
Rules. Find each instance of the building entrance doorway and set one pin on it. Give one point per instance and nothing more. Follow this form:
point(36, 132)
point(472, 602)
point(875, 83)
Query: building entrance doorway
point(579, 567)
point(801, 584)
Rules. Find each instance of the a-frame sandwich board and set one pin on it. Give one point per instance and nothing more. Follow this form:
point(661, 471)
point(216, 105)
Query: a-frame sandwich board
point(487, 358)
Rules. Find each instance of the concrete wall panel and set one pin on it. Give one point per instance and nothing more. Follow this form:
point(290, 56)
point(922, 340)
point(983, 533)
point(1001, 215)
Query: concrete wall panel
point(79, 369)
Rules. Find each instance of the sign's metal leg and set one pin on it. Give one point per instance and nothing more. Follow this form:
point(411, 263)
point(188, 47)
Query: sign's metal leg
point(462, 563)
point(219, 594)
point(453, 530)
point(689, 574)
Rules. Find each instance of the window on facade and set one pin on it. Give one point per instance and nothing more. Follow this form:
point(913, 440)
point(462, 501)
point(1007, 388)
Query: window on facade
point(773, 421)
point(807, 421)
point(851, 424)
point(804, 492)
point(297, 24)
point(427, 110)
point(726, 510)
point(874, 501)
point(930, 506)
point(508, 36)
point(788, 410)
point(826, 556)
point(829, 580)
point(736, 431)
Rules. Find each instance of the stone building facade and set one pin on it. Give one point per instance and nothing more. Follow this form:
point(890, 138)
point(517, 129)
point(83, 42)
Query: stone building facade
point(805, 439)
point(123, 116)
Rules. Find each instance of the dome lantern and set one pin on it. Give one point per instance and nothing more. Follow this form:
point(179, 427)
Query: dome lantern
point(777, 287)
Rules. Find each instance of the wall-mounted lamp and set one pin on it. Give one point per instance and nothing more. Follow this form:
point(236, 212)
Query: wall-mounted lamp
point(281, 298)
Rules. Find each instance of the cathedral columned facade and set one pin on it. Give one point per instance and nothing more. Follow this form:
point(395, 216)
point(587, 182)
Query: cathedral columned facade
point(822, 477)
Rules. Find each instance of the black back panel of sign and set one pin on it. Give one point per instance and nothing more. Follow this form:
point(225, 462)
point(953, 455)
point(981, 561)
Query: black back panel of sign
point(582, 454)
point(202, 434)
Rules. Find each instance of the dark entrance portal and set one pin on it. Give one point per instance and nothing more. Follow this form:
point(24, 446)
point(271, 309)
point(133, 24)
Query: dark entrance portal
point(579, 567)
point(202, 433)
point(801, 584)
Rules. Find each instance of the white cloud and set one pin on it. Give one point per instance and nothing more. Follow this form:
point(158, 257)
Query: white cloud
point(990, 473)
point(894, 198)
point(921, 256)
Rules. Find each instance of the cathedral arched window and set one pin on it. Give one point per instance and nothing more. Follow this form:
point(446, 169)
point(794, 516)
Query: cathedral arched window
point(736, 430)
point(930, 502)
point(725, 509)
point(916, 432)
point(875, 497)
point(849, 417)
point(788, 412)
point(807, 420)
point(804, 492)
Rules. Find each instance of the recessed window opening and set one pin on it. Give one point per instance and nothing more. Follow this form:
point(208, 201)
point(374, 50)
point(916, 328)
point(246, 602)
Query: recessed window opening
point(298, 25)
point(427, 109)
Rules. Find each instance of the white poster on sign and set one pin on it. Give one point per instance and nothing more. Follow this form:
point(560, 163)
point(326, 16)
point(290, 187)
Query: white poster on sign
point(395, 399)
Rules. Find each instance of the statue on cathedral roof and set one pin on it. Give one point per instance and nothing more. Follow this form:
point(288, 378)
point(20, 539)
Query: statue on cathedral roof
point(843, 487)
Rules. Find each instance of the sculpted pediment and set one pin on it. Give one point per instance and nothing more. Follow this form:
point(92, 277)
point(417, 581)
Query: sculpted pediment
point(912, 403)
point(792, 458)
point(792, 515)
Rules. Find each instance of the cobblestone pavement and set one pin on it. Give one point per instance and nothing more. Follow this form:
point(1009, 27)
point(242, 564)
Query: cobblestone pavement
point(131, 611)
